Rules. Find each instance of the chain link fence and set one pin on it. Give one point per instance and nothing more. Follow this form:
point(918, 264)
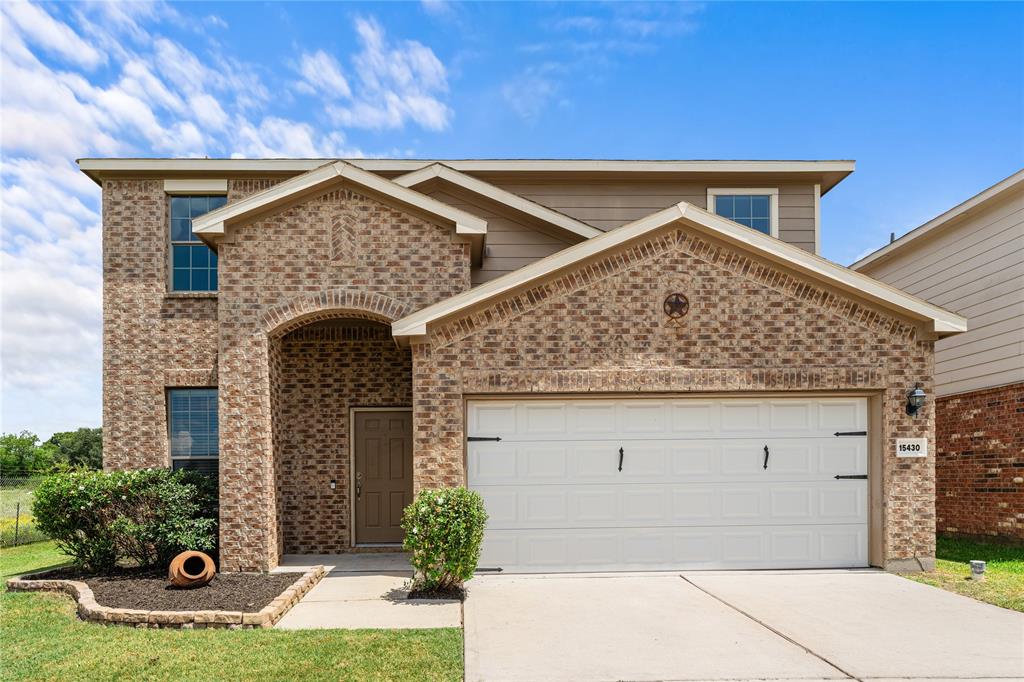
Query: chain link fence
point(17, 527)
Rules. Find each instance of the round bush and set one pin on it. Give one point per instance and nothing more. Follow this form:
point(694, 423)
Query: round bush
point(443, 531)
point(144, 517)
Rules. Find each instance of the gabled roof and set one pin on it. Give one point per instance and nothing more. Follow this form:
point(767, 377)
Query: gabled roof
point(978, 202)
point(212, 225)
point(497, 194)
point(861, 286)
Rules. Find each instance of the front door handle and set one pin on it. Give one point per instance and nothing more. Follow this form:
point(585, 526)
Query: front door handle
point(765, 456)
point(359, 485)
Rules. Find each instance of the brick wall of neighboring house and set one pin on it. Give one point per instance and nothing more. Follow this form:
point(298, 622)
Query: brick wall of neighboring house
point(152, 340)
point(751, 327)
point(979, 468)
point(323, 370)
point(341, 254)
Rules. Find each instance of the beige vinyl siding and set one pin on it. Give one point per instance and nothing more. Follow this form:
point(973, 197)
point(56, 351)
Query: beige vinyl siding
point(974, 267)
point(610, 205)
point(511, 241)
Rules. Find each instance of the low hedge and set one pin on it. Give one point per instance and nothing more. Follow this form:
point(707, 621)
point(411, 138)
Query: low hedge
point(443, 532)
point(143, 517)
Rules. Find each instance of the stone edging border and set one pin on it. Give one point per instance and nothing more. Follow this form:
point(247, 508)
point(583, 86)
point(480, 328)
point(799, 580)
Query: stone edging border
point(88, 609)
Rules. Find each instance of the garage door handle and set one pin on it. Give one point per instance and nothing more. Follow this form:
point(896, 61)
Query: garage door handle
point(765, 456)
point(622, 453)
point(851, 476)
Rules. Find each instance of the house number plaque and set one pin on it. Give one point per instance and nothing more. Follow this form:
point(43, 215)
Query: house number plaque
point(911, 447)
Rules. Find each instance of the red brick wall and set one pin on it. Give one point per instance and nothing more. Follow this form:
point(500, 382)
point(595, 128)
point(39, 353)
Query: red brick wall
point(324, 369)
point(751, 327)
point(979, 470)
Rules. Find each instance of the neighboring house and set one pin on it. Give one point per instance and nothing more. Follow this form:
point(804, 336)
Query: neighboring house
point(631, 381)
point(970, 260)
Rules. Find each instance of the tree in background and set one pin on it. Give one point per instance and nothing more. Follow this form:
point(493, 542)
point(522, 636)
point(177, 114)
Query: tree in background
point(21, 454)
point(81, 449)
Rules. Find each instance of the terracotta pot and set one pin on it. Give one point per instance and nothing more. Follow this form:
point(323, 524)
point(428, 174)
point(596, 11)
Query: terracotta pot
point(191, 569)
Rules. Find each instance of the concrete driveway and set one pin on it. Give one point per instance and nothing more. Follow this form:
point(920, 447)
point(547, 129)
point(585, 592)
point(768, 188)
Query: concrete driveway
point(799, 625)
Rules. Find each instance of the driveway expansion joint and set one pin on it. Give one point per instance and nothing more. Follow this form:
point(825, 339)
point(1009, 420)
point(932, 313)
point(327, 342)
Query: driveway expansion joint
point(784, 636)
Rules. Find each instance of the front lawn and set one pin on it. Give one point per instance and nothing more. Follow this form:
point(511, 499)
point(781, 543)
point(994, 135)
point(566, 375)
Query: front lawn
point(1004, 573)
point(41, 639)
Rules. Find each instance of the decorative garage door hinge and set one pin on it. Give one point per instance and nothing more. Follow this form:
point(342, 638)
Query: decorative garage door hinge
point(850, 433)
point(475, 439)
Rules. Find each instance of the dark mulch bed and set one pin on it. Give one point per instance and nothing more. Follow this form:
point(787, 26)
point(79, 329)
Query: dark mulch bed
point(151, 591)
point(450, 593)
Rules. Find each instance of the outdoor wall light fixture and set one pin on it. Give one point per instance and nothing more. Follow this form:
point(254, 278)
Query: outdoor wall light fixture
point(915, 399)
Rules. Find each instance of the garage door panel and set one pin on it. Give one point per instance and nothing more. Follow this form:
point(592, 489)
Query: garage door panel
point(693, 491)
point(667, 504)
point(733, 460)
point(655, 418)
point(637, 549)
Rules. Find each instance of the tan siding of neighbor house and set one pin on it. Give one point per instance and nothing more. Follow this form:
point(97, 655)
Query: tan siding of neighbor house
point(510, 243)
point(610, 205)
point(974, 268)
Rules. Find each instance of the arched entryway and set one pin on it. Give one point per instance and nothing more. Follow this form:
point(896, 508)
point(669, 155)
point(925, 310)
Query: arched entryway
point(341, 396)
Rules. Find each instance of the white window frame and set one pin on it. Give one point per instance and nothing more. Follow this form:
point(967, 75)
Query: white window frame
point(773, 202)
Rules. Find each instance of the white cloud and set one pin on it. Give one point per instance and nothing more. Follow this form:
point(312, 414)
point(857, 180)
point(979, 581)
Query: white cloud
point(529, 93)
point(153, 96)
point(396, 83)
point(53, 36)
point(321, 73)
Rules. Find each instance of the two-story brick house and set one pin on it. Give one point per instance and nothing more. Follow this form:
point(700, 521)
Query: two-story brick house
point(639, 364)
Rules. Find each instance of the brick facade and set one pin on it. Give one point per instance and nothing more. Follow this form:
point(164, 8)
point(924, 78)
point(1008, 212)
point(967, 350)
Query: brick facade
point(751, 327)
point(287, 371)
point(152, 340)
point(979, 468)
point(282, 271)
point(325, 369)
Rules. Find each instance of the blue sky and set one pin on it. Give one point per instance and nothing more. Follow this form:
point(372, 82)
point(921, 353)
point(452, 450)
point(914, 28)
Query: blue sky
point(927, 98)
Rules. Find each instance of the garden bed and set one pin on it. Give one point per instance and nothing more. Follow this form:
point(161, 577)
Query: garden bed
point(150, 590)
point(143, 599)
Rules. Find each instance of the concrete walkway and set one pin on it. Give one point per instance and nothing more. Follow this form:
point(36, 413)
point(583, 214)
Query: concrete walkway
point(364, 591)
point(806, 625)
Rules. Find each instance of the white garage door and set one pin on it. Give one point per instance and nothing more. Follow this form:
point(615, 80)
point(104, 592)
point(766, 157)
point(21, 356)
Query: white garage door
point(703, 484)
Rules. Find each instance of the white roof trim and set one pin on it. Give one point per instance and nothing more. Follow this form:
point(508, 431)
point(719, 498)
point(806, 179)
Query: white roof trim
point(830, 172)
point(212, 224)
point(502, 196)
point(971, 205)
point(942, 321)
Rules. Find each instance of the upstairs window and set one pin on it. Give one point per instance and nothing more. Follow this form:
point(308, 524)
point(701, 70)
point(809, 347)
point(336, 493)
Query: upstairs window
point(193, 263)
point(755, 208)
point(192, 425)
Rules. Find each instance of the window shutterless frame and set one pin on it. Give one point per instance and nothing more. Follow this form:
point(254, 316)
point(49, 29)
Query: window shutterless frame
point(773, 202)
point(193, 424)
point(191, 265)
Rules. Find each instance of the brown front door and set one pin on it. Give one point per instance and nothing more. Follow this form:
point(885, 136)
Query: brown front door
point(383, 474)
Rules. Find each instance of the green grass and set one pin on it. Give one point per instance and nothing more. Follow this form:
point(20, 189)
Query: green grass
point(1004, 571)
point(16, 506)
point(41, 639)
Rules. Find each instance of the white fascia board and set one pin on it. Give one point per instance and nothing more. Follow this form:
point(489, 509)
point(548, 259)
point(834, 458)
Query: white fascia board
point(213, 223)
point(196, 186)
point(971, 205)
point(942, 321)
point(499, 195)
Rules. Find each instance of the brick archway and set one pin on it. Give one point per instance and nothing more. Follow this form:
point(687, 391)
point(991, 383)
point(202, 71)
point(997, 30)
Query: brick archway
point(332, 304)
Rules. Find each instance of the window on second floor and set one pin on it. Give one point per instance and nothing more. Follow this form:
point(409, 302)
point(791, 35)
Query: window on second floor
point(754, 208)
point(193, 263)
point(192, 427)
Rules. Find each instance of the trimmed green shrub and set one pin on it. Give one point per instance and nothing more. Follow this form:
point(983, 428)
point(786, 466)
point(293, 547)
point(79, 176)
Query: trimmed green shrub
point(144, 517)
point(443, 531)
